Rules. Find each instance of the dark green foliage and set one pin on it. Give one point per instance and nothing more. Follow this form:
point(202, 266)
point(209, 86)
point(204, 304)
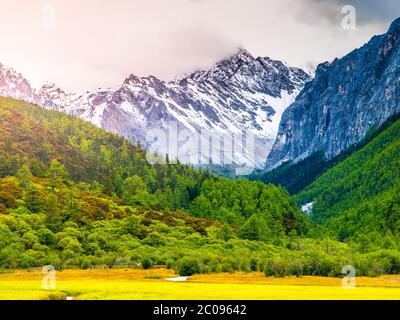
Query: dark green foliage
point(360, 196)
point(235, 201)
point(225, 233)
point(367, 173)
point(295, 177)
point(188, 266)
point(254, 229)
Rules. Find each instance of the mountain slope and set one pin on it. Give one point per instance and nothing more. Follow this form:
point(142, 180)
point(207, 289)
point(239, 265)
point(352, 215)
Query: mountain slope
point(362, 192)
point(240, 95)
point(73, 195)
point(35, 137)
point(345, 100)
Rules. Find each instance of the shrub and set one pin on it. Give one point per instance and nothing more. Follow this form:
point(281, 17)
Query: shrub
point(278, 267)
point(57, 296)
point(188, 266)
point(154, 240)
point(147, 262)
point(153, 277)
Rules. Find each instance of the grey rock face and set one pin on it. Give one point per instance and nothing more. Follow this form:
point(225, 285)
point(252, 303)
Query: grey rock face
point(345, 100)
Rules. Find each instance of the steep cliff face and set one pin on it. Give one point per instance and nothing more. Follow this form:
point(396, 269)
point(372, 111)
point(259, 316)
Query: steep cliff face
point(346, 99)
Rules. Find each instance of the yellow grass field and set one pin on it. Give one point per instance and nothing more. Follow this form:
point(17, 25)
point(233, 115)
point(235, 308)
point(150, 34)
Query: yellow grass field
point(132, 284)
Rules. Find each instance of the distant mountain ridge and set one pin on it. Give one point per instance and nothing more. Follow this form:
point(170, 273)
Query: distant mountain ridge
point(238, 94)
point(345, 100)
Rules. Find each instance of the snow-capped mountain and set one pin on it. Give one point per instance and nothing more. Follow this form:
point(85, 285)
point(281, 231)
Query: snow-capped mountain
point(13, 84)
point(240, 97)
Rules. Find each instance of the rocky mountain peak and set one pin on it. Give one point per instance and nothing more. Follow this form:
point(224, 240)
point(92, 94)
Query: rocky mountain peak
point(228, 67)
point(243, 54)
point(395, 27)
point(239, 94)
point(347, 98)
point(13, 84)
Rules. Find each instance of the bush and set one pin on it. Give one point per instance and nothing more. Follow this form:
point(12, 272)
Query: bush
point(188, 266)
point(147, 262)
point(154, 240)
point(57, 296)
point(153, 277)
point(278, 267)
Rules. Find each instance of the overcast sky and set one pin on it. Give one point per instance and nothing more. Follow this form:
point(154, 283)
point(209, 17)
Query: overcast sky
point(82, 45)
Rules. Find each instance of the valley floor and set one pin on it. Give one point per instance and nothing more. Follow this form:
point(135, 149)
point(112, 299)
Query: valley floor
point(127, 284)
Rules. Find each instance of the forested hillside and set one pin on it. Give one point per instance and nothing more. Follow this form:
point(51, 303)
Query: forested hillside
point(72, 195)
point(62, 179)
point(360, 196)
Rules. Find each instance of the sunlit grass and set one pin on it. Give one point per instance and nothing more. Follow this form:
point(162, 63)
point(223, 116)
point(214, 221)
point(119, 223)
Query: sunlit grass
point(150, 284)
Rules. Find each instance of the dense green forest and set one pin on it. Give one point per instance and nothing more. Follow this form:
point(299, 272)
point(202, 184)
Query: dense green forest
point(294, 177)
point(360, 197)
point(72, 195)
